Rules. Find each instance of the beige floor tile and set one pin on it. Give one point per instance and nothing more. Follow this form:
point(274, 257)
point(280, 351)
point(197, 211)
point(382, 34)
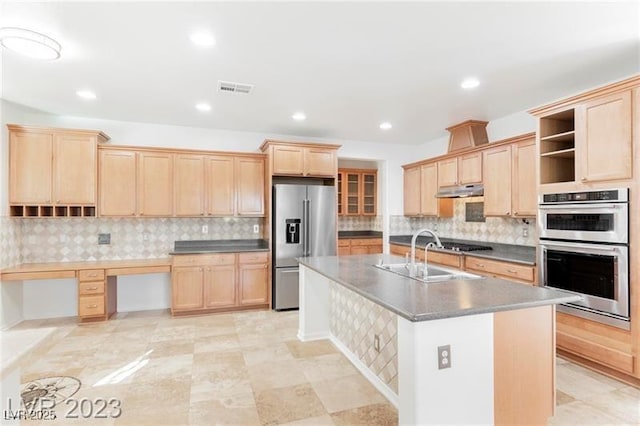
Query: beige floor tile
point(580, 413)
point(209, 387)
point(259, 354)
point(178, 332)
point(208, 413)
point(225, 342)
point(177, 366)
point(326, 367)
point(324, 420)
point(308, 349)
point(276, 374)
point(618, 403)
point(375, 414)
point(345, 393)
point(170, 348)
point(217, 361)
point(287, 404)
point(579, 383)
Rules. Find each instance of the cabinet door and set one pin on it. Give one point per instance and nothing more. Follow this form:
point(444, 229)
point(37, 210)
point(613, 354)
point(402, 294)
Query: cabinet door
point(428, 202)
point(448, 172)
point(155, 184)
point(320, 162)
point(253, 280)
point(220, 185)
point(188, 185)
point(341, 192)
point(287, 160)
point(470, 168)
point(30, 167)
point(249, 186)
point(523, 191)
point(369, 194)
point(117, 183)
point(220, 286)
point(411, 191)
point(74, 169)
point(187, 288)
point(359, 250)
point(353, 190)
point(605, 145)
point(497, 181)
point(344, 251)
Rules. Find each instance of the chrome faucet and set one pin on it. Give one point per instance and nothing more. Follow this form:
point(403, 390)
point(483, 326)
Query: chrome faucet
point(438, 244)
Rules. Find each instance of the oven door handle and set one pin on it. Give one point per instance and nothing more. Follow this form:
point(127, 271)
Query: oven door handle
point(577, 209)
point(591, 248)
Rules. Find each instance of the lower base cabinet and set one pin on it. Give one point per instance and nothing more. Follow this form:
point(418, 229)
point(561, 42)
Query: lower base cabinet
point(210, 282)
point(359, 246)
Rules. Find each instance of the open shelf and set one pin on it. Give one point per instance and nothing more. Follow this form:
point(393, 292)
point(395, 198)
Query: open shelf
point(560, 137)
point(51, 211)
point(561, 153)
point(557, 147)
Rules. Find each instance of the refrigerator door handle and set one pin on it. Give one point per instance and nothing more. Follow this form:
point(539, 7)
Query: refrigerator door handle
point(307, 228)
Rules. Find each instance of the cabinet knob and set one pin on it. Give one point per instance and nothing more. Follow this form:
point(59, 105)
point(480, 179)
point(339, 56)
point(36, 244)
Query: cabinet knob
point(208, 269)
point(583, 179)
point(265, 266)
point(507, 213)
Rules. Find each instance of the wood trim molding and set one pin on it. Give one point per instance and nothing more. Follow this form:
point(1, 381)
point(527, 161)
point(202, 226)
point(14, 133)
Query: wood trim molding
point(466, 124)
point(507, 141)
point(23, 128)
point(180, 151)
point(268, 142)
point(618, 86)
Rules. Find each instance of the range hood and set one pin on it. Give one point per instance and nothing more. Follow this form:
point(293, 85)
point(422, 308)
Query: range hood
point(471, 190)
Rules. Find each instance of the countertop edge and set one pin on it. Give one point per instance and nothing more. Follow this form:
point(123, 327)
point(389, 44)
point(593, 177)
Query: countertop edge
point(222, 250)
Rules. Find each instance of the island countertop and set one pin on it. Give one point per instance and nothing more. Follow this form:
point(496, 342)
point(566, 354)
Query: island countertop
point(418, 301)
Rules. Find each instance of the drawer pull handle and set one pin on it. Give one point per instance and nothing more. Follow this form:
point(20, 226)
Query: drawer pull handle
point(512, 271)
point(93, 274)
point(479, 265)
point(92, 288)
point(92, 306)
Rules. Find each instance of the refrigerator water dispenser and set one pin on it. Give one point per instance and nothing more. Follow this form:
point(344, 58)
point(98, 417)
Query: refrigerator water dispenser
point(293, 231)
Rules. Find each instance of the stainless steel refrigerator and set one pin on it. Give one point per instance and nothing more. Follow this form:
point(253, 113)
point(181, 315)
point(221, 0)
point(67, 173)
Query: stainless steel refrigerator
point(304, 224)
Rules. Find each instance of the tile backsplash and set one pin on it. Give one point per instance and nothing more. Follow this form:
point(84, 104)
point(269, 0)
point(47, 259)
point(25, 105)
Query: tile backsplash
point(10, 241)
point(75, 239)
point(359, 223)
point(495, 229)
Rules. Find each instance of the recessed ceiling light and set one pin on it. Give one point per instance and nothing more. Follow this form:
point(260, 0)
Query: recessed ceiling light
point(470, 83)
point(386, 125)
point(86, 94)
point(299, 116)
point(29, 43)
point(203, 39)
point(202, 106)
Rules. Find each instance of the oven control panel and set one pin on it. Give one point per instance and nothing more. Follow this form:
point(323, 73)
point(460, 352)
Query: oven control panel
point(617, 195)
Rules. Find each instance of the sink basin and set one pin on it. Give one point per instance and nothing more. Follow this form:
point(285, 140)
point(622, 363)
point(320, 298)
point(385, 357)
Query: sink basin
point(434, 273)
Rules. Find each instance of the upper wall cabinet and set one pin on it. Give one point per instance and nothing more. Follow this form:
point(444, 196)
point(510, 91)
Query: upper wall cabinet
point(448, 172)
point(155, 184)
point(357, 192)
point(117, 182)
point(301, 159)
point(588, 138)
point(189, 196)
point(470, 168)
point(524, 202)
point(52, 172)
point(497, 181)
point(249, 186)
point(420, 188)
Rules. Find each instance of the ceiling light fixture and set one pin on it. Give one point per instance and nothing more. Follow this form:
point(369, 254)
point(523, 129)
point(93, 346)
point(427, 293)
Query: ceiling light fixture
point(386, 125)
point(86, 94)
point(29, 43)
point(203, 39)
point(470, 83)
point(204, 107)
point(299, 116)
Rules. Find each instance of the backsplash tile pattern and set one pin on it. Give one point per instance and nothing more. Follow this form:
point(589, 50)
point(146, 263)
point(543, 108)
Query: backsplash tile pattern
point(10, 241)
point(355, 320)
point(359, 223)
point(495, 229)
point(76, 239)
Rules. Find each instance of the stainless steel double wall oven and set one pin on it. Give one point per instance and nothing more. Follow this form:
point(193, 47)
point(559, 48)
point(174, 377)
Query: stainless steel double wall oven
point(584, 248)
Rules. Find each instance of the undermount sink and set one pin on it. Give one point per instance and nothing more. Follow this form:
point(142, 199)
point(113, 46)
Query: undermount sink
point(433, 273)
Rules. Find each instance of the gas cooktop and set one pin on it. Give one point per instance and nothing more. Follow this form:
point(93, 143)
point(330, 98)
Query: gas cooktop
point(464, 247)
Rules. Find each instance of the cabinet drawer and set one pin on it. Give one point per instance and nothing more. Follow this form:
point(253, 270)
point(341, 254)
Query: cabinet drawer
point(442, 258)
point(343, 243)
point(613, 358)
point(344, 251)
point(91, 275)
point(204, 259)
point(90, 306)
point(398, 249)
point(366, 242)
point(359, 250)
point(509, 270)
point(91, 287)
point(253, 257)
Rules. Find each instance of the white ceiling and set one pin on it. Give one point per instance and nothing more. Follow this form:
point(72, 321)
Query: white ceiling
point(348, 66)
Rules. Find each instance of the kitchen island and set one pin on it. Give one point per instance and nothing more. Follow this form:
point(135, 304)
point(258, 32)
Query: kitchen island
point(456, 351)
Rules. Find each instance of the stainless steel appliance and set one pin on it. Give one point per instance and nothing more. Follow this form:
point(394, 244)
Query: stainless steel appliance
point(304, 224)
point(584, 249)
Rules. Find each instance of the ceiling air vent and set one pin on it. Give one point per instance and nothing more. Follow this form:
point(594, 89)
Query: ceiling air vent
point(231, 87)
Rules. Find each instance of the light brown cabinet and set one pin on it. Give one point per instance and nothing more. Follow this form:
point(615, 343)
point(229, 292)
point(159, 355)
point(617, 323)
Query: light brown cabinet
point(512, 271)
point(447, 259)
point(448, 172)
point(301, 159)
point(420, 188)
point(97, 295)
point(349, 246)
point(52, 172)
point(497, 181)
point(155, 184)
point(225, 281)
point(117, 191)
point(221, 187)
point(523, 184)
point(470, 168)
point(188, 184)
point(357, 192)
point(249, 180)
